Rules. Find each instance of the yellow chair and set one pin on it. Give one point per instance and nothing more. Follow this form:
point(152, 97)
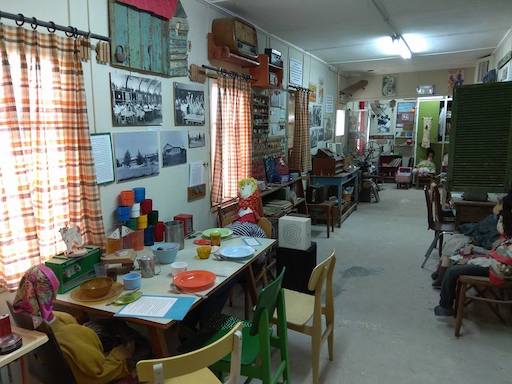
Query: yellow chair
point(304, 312)
point(191, 368)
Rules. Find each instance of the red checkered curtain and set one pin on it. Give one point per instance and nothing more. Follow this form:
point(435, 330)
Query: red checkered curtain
point(231, 137)
point(47, 178)
point(300, 154)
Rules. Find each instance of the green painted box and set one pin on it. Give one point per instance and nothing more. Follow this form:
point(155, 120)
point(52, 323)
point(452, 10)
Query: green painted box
point(72, 272)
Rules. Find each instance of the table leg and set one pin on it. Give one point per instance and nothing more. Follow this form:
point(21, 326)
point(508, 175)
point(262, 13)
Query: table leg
point(158, 342)
point(328, 219)
point(23, 370)
point(253, 291)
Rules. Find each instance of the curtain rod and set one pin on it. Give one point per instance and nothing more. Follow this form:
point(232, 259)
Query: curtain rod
point(70, 31)
point(297, 88)
point(225, 71)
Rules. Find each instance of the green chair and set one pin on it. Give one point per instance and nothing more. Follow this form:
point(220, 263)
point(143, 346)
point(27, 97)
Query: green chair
point(258, 338)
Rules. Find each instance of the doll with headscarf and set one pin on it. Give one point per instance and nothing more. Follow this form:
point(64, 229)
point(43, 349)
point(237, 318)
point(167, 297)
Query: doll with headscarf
point(98, 352)
point(249, 201)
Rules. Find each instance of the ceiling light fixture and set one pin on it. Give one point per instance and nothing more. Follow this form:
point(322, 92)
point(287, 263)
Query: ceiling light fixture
point(401, 46)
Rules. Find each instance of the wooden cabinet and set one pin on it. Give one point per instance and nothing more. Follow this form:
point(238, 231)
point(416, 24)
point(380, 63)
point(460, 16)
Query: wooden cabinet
point(267, 75)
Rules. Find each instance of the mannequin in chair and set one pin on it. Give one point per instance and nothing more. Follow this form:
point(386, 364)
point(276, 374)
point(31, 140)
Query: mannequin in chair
point(449, 281)
point(99, 352)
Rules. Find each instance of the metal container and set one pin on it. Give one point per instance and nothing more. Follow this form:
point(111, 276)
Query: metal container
point(147, 266)
point(174, 233)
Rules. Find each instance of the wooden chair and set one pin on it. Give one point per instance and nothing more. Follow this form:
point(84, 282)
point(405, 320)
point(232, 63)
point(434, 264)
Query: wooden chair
point(444, 216)
point(435, 225)
point(46, 363)
point(486, 292)
point(304, 312)
point(327, 209)
point(192, 367)
point(259, 339)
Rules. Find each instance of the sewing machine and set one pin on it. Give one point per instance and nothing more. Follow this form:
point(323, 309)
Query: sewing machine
point(72, 272)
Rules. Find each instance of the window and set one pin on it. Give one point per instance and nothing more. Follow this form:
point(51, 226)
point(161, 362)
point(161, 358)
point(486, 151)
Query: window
point(231, 136)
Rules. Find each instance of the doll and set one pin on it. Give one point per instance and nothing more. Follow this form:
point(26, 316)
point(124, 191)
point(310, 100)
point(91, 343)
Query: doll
point(249, 201)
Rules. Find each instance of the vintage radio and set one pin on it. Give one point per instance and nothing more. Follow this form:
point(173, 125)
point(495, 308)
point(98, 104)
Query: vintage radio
point(72, 272)
point(274, 57)
point(327, 163)
point(240, 37)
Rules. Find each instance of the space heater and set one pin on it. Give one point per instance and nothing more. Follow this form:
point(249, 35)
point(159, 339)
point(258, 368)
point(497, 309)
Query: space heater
point(295, 232)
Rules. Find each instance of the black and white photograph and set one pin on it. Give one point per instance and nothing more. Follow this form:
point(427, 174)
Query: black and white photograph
point(188, 104)
point(313, 137)
point(136, 155)
point(315, 115)
point(136, 100)
point(196, 139)
point(174, 147)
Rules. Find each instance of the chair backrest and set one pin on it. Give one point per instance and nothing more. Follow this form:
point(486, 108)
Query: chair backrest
point(267, 301)
point(157, 371)
point(46, 363)
point(436, 200)
point(266, 225)
point(322, 272)
point(428, 201)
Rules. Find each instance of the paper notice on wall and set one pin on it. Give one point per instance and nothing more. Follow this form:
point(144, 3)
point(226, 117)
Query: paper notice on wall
point(103, 160)
point(196, 175)
point(329, 104)
point(295, 72)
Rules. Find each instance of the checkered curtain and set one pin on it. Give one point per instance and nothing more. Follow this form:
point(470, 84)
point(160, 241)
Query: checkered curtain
point(300, 154)
point(232, 137)
point(47, 178)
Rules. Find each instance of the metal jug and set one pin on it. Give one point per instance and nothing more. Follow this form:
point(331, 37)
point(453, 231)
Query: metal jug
point(147, 266)
point(175, 233)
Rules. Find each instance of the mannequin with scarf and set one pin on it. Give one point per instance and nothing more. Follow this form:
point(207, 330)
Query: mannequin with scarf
point(98, 352)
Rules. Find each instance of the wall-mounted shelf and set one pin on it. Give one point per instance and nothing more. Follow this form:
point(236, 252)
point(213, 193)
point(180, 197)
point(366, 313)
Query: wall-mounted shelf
point(224, 54)
point(263, 72)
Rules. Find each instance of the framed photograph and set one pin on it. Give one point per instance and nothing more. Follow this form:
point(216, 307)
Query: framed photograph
point(103, 156)
point(188, 104)
point(136, 155)
point(136, 100)
point(388, 85)
point(196, 139)
point(315, 116)
point(174, 147)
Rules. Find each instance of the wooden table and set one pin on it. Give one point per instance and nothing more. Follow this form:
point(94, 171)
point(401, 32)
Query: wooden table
point(340, 181)
point(160, 285)
point(467, 211)
point(31, 340)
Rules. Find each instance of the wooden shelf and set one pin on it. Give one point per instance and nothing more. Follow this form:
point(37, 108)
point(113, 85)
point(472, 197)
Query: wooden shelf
point(224, 54)
point(261, 73)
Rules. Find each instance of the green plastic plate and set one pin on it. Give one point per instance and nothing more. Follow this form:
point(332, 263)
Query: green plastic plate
point(224, 232)
point(128, 298)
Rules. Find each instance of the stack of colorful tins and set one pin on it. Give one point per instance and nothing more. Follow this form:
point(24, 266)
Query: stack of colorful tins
point(127, 213)
point(187, 220)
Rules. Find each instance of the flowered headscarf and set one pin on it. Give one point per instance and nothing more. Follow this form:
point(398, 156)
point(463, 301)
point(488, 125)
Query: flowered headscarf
point(36, 294)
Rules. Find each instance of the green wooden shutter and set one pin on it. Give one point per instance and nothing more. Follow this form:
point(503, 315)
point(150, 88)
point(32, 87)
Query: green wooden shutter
point(481, 138)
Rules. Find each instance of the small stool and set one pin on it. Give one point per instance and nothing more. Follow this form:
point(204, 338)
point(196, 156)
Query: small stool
point(327, 208)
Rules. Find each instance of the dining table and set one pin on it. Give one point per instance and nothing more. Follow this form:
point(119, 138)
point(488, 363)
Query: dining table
point(160, 285)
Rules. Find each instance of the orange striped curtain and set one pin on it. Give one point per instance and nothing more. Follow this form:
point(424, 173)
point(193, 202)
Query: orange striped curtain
point(47, 178)
point(300, 154)
point(231, 137)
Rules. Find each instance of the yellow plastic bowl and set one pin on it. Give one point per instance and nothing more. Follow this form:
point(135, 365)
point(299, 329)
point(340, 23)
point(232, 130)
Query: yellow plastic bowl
point(203, 252)
point(97, 287)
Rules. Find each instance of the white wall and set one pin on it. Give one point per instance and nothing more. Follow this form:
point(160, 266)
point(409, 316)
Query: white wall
point(168, 190)
point(504, 46)
point(406, 83)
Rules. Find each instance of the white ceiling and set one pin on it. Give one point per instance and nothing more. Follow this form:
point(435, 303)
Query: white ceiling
point(345, 32)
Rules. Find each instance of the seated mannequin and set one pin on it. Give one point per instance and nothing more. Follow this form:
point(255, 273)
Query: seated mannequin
point(426, 167)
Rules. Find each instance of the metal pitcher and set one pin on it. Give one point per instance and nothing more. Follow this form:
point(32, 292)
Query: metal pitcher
point(147, 266)
point(175, 233)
